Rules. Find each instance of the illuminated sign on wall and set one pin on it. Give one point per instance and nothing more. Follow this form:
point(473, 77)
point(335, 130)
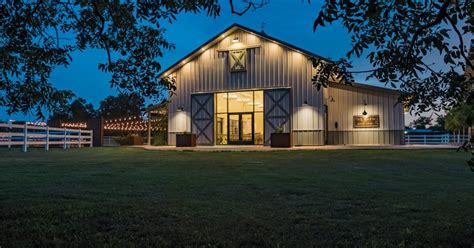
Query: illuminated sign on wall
point(370, 121)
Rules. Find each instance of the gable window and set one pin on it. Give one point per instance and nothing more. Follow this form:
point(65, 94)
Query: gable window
point(237, 60)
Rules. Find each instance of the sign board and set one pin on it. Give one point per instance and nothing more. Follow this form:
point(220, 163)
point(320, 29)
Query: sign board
point(237, 60)
point(368, 121)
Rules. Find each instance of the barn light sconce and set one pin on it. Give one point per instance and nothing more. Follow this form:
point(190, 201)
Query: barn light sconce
point(235, 39)
point(180, 109)
point(331, 99)
point(305, 103)
point(365, 112)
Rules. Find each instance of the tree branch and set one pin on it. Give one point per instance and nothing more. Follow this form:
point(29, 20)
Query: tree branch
point(461, 42)
point(250, 4)
point(441, 15)
point(430, 69)
point(57, 36)
point(366, 71)
point(233, 11)
point(101, 31)
point(28, 16)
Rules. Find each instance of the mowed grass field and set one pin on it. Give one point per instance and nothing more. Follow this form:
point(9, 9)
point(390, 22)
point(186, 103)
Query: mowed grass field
point(133, 197)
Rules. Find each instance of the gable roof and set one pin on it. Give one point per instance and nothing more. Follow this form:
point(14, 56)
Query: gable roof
point(234, 27)
point(226, 32)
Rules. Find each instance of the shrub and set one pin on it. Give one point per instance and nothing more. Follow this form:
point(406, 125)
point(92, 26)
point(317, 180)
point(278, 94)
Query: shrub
point(129, 140)
point(160, 139)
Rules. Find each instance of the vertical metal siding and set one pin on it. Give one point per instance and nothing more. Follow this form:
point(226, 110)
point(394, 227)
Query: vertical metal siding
point(349, 101)
point(269, 65)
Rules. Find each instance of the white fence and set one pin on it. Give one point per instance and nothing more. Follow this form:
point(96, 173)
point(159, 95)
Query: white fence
point(109, 141)
point(26, 136)
point(435, 139)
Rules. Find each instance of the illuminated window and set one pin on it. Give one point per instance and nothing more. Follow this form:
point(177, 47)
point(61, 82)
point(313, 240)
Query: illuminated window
point(239, 117)
point(221, 102)
point(240, 102)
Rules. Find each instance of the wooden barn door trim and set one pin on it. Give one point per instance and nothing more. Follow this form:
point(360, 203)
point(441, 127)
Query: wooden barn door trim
point(277, 103)
point(209, 117)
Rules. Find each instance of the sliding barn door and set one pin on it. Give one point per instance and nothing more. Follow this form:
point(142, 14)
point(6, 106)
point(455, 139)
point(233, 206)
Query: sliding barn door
point(277, 111)
point(202, 117)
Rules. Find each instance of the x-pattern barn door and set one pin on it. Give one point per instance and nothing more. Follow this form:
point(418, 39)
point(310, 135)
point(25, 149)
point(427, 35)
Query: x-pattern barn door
point(202, 116)
point(277, 111)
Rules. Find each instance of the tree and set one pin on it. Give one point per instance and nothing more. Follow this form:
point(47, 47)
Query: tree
point(77, 110)
point(122, 105)
point(421, 122)
point(396, 36)
point(460, 117)
point(440, 124)
point(38, 36)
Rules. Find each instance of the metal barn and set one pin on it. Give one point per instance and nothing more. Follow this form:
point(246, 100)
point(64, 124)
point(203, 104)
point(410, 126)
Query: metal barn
point(243, 85)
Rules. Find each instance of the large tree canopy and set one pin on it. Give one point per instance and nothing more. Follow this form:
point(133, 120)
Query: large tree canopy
point(460, 117)
point(122, 105)
point(396, 36)
point(37, 36)
point(77, 110)
point(422, 122)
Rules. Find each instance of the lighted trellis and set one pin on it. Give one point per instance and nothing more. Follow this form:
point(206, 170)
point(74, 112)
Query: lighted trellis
point(133, 123)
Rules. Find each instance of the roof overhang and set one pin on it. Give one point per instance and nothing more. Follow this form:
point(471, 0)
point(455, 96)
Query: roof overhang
point(364, 86)
point(222, 35)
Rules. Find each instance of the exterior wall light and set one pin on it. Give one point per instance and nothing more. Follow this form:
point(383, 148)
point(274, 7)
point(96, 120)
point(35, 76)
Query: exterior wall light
point(180, 109)
point(305, 103)
point(235, 39)
point(365, 112)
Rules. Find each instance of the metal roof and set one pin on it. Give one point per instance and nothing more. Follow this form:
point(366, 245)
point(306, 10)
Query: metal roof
point(220, 36)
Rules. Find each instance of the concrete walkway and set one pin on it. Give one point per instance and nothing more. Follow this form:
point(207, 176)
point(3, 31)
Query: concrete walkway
point(254, 148)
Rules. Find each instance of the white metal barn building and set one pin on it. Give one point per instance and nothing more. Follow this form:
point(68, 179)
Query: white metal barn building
point(243, 85)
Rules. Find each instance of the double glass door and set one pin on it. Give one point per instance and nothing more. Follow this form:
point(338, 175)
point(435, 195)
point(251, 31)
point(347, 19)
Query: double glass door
point(241, 129)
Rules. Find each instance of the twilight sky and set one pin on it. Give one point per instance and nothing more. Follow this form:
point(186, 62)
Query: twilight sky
point(290, 22)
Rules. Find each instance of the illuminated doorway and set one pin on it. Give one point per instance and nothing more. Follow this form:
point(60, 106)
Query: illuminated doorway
point(239, 118)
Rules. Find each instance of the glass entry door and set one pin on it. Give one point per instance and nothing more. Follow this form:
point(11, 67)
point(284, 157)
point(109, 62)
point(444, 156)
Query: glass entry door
point(241, 129)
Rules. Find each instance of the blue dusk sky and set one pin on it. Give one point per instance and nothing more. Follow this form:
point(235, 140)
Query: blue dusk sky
point(290, 22)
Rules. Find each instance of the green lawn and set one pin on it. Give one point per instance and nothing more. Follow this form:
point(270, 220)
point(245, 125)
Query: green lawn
point(133, 197)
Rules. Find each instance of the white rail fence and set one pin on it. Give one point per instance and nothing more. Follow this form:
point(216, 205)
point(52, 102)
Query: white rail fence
point(26, 136)
point(435, 139)
point(109, 141)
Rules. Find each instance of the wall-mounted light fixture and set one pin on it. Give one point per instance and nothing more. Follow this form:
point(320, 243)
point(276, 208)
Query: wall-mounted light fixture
point(235, 39)
point(180, 109)
point(331, 99)
point(365, 112)
point(305, 103)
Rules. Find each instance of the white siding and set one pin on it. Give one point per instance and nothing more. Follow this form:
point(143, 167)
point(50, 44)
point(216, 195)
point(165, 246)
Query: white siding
point(349, 101)
point(269, 65)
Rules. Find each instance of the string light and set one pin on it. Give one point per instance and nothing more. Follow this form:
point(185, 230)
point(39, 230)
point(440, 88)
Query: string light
point(132, 123)
point(74, 124)
point(36, 123)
